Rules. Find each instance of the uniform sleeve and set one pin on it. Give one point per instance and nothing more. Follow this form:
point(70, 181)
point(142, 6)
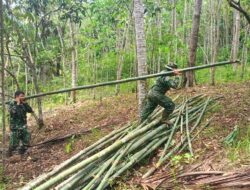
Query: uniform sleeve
point(12, 108)
point(174, 83)
point(28, 108)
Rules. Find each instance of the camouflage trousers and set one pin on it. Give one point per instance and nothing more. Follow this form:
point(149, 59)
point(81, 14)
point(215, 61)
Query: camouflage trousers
point(154, 99)
point(18, 135)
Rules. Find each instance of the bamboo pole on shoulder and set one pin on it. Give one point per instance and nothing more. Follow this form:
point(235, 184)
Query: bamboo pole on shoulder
point(130, 79)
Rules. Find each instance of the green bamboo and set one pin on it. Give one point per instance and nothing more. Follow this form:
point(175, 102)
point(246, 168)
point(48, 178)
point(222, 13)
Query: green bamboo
point(137, 158)
point(163, 159)
point(187, 132)
point(69, 183)
point(173, 130)
point(34, 183)
point(130, 79)
point(197, 133)
point(49, 183)
point(103, 168)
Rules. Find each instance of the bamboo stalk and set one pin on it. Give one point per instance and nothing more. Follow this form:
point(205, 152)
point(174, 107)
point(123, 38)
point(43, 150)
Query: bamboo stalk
point(68, 162)
point(49, 183)
point(163, 159)
point(131, 79)
point(173, 130)
point(187, 132)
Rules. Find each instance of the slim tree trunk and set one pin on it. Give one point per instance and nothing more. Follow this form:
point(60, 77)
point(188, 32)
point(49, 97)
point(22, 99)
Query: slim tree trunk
point(159, 29)
point(140, 50)
point(215, 34)
point(121, 47)
point(174, 28)
point(194, 42)
point(36, 86)
point(2, 83)
point(60, 35)
point(244, 56)
point(73, 57)
point(236, 39)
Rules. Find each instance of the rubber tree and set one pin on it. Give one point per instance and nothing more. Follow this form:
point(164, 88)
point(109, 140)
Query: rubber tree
point(140, 51)
point(236, 39)
point(236, 4)
point(2, 78)
point(194, 42)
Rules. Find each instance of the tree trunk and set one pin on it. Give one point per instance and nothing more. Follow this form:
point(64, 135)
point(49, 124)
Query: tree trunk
point(36, 85)
point(244, 58)
point(236, 39)
point(159, 29)
point(60, 35)
point(194, 42)
point(140, 50)
point(121, 48)
point(2, 85)
point(73, 57)
point(215, 35)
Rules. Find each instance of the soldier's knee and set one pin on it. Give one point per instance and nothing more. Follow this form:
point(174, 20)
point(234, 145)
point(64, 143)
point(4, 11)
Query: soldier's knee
point(171, 106)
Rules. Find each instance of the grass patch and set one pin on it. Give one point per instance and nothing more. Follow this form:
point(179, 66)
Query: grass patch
point(3, 179)
point(239, 150)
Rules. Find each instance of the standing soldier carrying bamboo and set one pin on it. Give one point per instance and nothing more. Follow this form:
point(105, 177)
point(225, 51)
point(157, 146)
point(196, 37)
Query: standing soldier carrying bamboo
point(156, 95)
point(18, 110)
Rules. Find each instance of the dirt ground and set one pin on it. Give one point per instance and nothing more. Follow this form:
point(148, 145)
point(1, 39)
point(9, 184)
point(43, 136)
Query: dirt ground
point(116, 111)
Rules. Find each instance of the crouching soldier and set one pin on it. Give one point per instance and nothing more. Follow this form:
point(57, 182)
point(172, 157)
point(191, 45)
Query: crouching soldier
point(18, 110)
point(156, 95)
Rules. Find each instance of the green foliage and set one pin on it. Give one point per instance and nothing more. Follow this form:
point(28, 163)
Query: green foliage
point(69, 145)
point(3, 179)
point(100, 28)
point(177, 160)
point(239, 150)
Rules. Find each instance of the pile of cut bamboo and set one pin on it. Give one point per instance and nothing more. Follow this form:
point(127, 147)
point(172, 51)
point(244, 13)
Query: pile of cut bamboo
point(98, 166)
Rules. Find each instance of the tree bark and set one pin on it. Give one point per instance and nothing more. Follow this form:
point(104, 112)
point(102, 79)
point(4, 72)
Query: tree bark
point(237, 6)
point(2, 84)
point(73, 57)
point(215, 35)
point(140, 50)
point(32, 66)
point(60, 35)
point(120, 50)
point(244, 57)
point(236, 39)
point(194, 42)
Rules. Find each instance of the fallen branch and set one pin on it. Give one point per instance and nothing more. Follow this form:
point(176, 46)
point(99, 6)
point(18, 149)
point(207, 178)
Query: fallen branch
point(65, 137)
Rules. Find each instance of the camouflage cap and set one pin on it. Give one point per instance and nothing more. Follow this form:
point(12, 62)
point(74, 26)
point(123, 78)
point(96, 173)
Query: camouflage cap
point(171, 66)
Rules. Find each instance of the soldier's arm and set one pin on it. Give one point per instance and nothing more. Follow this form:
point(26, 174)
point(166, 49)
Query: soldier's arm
point(174, 83)
point(12, 108)
point(28, 108)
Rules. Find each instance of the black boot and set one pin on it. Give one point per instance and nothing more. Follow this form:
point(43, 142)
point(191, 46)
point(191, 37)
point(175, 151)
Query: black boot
point(22, 149)
point(10, 152)
point(165, 118)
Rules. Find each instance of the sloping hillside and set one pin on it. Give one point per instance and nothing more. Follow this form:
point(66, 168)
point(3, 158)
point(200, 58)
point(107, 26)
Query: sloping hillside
point(113, 112)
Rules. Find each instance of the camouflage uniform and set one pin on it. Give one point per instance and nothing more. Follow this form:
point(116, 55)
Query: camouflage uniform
point(18, 125)
point(156, 96)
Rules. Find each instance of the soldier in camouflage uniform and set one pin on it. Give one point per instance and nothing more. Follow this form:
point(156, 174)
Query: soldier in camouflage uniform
point(18, 110)
point(156, 95)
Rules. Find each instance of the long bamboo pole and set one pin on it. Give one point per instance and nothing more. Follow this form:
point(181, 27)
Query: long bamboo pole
point(130, 79)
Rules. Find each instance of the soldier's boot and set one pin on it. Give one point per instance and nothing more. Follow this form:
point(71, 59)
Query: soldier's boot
point(165, 118)
point(10, 152)
point(22, 149)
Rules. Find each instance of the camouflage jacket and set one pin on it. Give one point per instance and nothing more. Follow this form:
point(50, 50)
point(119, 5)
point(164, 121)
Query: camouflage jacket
point(164, 83)
point(18, 114)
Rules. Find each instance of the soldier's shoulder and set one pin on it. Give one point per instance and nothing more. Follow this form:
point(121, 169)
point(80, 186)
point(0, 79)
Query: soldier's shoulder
point(12, 103)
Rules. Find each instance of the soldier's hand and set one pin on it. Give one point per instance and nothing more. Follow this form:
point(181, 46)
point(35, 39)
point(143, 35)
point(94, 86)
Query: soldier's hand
point(18, 101)
point(177, 72)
